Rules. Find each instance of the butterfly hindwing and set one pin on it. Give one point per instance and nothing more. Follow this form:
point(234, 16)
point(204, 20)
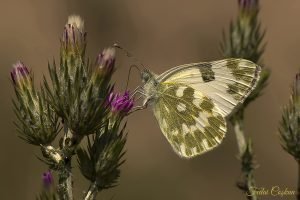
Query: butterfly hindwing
point(191, 121)
point(227, 82)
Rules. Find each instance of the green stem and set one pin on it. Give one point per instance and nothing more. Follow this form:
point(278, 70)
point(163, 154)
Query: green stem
point(240, 137)
point(298, 189)
point(92, 192)
point(248, 181)
point(65, 173)
point(250, 186)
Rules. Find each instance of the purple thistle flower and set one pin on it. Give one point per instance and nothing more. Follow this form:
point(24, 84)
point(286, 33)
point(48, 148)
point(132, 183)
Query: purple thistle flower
point(120, 103)
point(19, 73)
point(47, 179)
point(106, 60)
point(248, 4)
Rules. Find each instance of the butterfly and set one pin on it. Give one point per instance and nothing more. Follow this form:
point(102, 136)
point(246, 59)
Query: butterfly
point(191, 101)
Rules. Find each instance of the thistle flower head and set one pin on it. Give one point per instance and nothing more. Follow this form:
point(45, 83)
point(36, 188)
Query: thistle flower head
point(104, 67)
point(120, 103)
point(76, 21)
point(106, 60)
point(248, 5)
point(19, 74)
point(47, 179)
point(74, 35)
point(296, 88)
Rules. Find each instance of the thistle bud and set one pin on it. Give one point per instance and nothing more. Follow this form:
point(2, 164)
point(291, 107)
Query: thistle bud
point(296, 92)
point(248, 6)
point(104, 67)
point(39, 123)
point(20, 74)
point(47, 179)
point(289, 128)
point(77, 22)
point(120, 104)
point(74, 36)
point(106, 61)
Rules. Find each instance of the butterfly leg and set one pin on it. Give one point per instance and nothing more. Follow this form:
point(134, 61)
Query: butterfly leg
point(138, 98)
point(142, 107)
point(138, 108)
point(137, 90)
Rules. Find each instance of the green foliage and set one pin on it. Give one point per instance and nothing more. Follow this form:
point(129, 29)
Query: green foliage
point(100, 162)
point(247, 158)
point(45, 195)
point(80, 96)
point(290, 124)
point(76, 99)
point(248, 166)
point(245, 40)
point(37, 122)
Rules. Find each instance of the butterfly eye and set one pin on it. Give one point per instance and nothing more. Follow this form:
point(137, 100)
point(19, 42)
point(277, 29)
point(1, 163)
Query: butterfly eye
point(145, 76)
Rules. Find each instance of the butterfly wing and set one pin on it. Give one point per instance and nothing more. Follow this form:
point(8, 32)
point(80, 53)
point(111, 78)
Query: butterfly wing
point(227, 82)
point(190, 121)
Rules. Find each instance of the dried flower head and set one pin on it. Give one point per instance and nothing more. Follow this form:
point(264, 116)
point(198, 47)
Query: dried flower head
point(74, 36)
point(47, 179)
point(105, 62)
point(76, 21)
point(19, 74)
point(106, 59)
point(104, 67)
point(120, 103)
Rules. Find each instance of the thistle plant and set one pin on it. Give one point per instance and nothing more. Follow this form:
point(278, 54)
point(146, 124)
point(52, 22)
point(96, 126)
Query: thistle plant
point(289, 129)
point(77, 104)
point(245, 41)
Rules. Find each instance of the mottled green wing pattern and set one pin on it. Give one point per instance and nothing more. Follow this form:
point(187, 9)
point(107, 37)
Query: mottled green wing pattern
point(227, 82)
point(191, 122)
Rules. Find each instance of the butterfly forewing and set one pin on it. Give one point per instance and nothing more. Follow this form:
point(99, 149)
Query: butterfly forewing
point(190, 102)
point(191, 121)
point(227, 82)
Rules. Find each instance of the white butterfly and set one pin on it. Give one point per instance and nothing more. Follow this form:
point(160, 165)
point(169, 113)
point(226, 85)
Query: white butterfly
point(190, 102)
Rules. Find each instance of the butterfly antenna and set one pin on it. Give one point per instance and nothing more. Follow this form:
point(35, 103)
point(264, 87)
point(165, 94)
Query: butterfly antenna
point(132, 66)
point(128, 54)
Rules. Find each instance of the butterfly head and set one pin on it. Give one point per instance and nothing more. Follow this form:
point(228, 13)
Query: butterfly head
point(146, 75)
point(150, 84)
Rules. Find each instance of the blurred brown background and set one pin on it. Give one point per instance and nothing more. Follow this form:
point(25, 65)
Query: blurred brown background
point(161, 33)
